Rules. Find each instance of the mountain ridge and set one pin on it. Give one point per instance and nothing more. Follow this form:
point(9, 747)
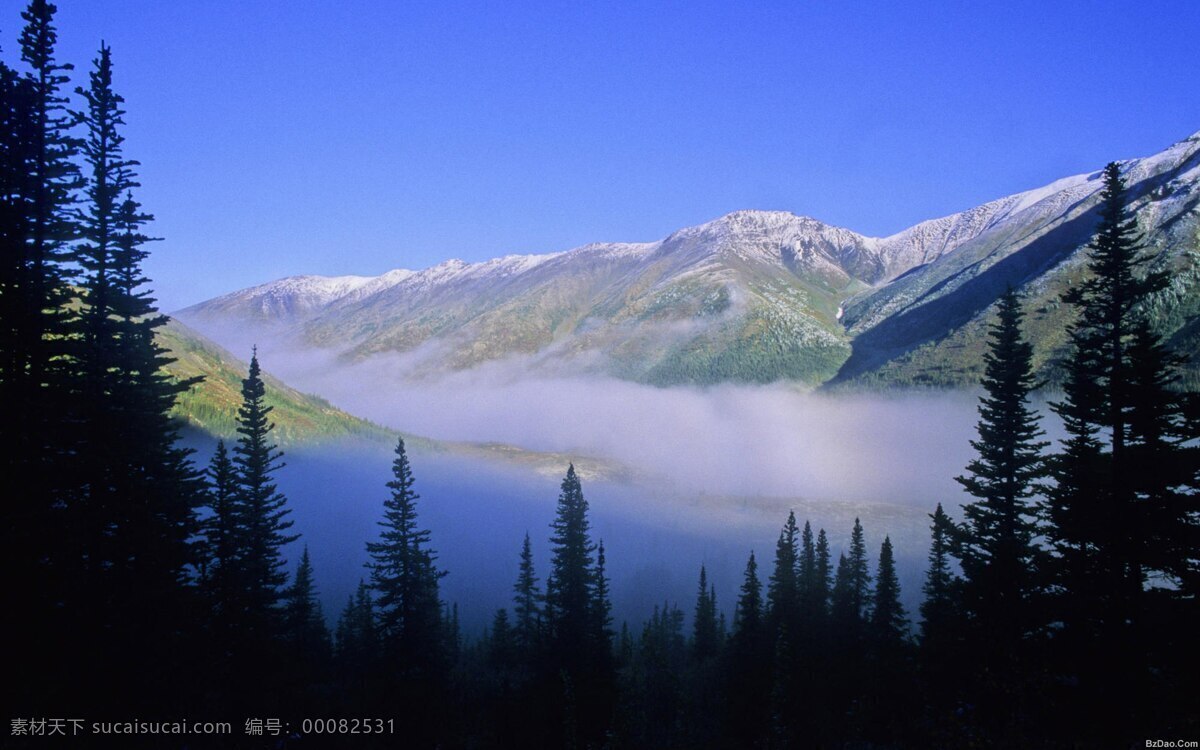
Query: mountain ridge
point(751, 296)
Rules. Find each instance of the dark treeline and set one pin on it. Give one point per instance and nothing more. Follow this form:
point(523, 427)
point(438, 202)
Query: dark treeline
point(1059, 610)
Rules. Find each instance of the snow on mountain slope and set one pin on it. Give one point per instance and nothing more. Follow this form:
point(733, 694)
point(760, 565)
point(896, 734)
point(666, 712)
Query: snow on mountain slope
point(289, 298)
point(928, 326)
point(752, 295)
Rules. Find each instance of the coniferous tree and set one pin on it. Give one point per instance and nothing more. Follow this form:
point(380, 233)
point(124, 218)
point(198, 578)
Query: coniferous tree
point(357, 646)
point(109, 177)
point(783, 595)
point(940, 626)
point(403, 572)
point(527, 605)
point(888, 622)
point(569, 588)
point(582, 660)
point(305, 629)
point(784, 618)
point(703, 691)
point(221, 557)
point(1102, 510)
point(262, 518)
point(823, 580)
point(37, 383)
point(888, 694)
point(602, 611)
point(502, 648)
point(656, 682)
point(848, 616)
point(1166, 462)
point(41, 324)
point(139, 488)
point(841, 598)
point(749, 682)
point(997, 550)
point(748, 617)
point(807, 576)
point(704, 624)
point(17, 152)
point(859, 575)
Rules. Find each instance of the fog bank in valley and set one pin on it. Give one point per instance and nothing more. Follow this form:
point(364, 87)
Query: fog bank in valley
point(730, 439)
point(716, 471)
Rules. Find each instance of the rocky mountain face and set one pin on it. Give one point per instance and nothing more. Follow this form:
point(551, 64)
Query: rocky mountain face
point(754, 296)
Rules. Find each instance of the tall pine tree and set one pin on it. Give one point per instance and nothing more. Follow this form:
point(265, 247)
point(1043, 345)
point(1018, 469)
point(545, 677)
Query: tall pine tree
point(1000, 593)
point(262, 514)
point(1104, 511)
point(305, 630)
point(405, 576)
point(573, 597)
point(749, 665)
point(37, 383)
point(940, 623)
point(527, 605)
point(139, 493)
point(704, 622)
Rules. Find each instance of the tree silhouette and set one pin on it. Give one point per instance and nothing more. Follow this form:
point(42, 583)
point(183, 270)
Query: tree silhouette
point(262, 517)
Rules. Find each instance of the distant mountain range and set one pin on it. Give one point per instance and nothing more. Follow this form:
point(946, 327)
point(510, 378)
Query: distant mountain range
point(754, 296)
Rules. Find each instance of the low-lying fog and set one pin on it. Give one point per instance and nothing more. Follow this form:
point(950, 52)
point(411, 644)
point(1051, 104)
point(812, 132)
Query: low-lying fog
point(716, 472)
point(734, 439)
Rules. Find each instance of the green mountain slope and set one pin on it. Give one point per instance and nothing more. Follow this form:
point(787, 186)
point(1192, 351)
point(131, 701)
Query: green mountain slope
point(211, 406)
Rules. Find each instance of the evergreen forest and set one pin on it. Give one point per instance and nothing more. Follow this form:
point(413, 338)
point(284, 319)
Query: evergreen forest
point(1059, 607)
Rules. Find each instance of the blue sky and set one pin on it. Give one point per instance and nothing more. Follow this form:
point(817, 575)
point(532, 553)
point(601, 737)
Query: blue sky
point(358, 136)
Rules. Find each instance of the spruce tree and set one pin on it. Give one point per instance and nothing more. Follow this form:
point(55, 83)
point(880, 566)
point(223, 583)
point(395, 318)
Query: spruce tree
point(573, 598)
point(140, 491)
point(305, 630)
point(748, 617)
point(220, 559)
point(109, 177)
point(1001, 561)
point(571, 583)
point(849, 647)
point(888, 622)
point(807, 575)
point(704, 624)
point(405, 576)
point(17, 126)
point(52, 178)
point(823, 578)
point(357, 645)
point(1102, 509)
point(858, 575)
point(501, 643)
point(888, 695)
point(602, 631)
point(38, 386)
point(997, 551)
point(527, 605)
point(783, 595)
point(940, 629)
point(262, 515)
point(749, 665)
point(1166, 464)
point(842, 610)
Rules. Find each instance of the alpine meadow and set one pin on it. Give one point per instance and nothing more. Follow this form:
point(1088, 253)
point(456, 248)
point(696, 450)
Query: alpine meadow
point(754, 481)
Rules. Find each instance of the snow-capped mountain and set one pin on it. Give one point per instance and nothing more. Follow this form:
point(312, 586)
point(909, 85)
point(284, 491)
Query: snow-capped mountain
point(751, 296)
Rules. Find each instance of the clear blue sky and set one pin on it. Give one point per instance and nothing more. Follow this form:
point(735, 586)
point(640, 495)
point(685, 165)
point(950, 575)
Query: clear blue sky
point(281, 137)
